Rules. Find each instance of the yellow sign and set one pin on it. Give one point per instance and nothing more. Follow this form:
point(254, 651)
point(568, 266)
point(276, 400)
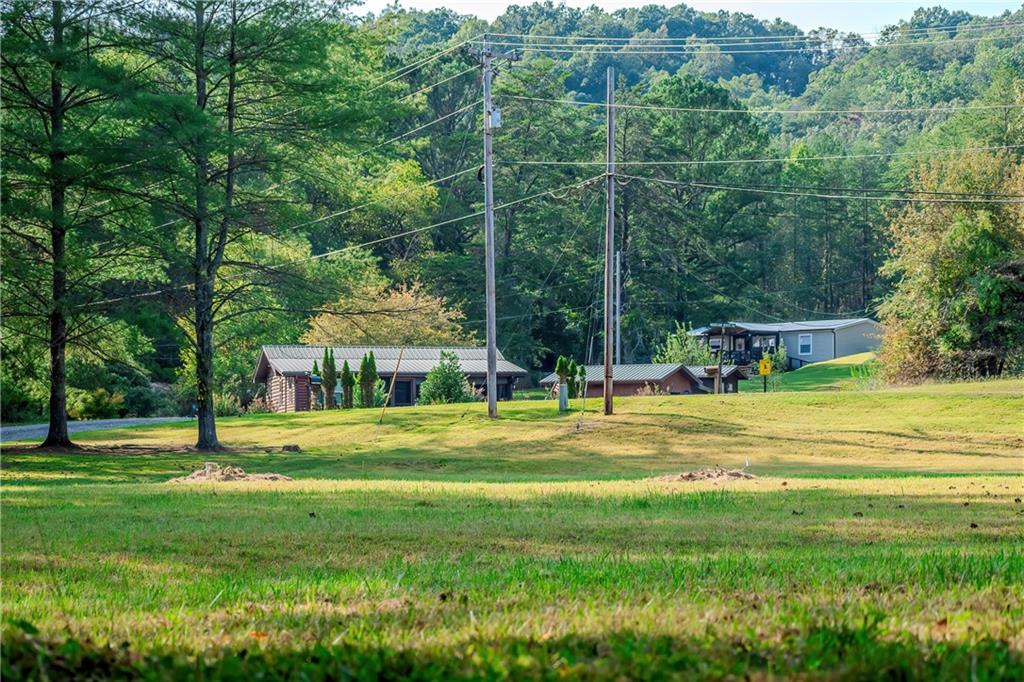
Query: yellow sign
point(764, 368)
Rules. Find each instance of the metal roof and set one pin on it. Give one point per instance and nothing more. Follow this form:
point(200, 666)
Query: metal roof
point(782, 327)
point(416, 360)
point(642, 373)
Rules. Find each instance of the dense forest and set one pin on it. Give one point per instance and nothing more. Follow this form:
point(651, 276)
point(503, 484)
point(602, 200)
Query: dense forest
point(186, 181)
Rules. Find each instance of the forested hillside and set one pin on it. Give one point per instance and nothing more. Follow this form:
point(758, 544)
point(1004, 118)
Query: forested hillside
point(208, 177)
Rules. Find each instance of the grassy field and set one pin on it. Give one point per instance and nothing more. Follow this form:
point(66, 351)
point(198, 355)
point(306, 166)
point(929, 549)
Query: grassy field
point(880, 538)
point(828, 375)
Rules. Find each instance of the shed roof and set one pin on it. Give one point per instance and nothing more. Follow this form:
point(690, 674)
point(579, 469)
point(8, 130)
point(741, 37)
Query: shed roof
point(416, 360)
point(781, 327)
point(643, 373)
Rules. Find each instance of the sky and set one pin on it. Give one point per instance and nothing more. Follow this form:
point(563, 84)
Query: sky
point(859, 16)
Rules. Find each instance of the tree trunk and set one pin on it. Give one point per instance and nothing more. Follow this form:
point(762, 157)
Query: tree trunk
point(207, 438)
point(204, 272)
point(57, 434)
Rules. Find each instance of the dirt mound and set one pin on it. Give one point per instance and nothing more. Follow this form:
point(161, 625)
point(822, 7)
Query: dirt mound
point(212, 471)
point(707, 474)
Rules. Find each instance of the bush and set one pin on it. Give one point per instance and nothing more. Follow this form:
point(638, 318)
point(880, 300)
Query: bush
point(780, 359)
point(226, 405)
point(145, 401)
point(258, 406)
point(683, 348)
point(368, 381)
point(446, 383)
point(95, 404)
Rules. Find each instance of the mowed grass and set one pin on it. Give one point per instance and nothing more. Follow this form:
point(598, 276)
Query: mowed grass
point(881, 538)
point(830, 375)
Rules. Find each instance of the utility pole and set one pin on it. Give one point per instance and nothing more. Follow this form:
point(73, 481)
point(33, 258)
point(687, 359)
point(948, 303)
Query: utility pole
point(609, 238)
point(492, 328)
point(618, 307)
point(492, 120)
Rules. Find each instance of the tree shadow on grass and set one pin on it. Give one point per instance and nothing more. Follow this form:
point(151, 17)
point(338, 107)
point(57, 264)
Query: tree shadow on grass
point(817, 652)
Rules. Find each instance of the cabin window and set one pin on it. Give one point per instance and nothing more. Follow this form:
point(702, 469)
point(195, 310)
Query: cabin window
point(715, 342)
point(805, 345)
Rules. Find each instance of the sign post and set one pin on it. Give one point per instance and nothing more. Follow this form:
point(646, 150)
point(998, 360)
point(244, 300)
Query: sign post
point(764, 368)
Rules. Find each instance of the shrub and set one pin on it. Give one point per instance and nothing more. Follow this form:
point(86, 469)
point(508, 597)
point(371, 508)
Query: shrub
point(258, 406)
point(380, 393)
point(96, 404)
point(226, 405)
point(144, 401)
point(348, 382)
point(446, 383)
point(649, 389)
point(329, 378)
point(682, 347)
point(780, 358)
point(368, 380)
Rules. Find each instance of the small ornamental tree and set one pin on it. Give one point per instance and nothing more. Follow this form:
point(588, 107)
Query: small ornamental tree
point(367, 380)
point(348, 381)
point(446, 383)
point(581, 384)
point(562, 370)
point(329, 378)
point(571, 378)
point(684, 348)
point(315, 389)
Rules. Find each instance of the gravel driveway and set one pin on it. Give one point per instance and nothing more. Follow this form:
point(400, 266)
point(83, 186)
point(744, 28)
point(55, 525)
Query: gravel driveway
point(38, 431)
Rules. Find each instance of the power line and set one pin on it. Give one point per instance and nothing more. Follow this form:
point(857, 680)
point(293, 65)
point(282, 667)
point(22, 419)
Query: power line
point(626, 50)
point(714, 162)
point(802, 112)
point(434, 85)
point(923, 200)
point(419, 128)
point(878, 190)
point(769, 38)
point(405, 70)
point(372, 242)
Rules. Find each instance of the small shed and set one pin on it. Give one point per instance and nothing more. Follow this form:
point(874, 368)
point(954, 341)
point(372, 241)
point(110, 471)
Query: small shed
point(667, 378)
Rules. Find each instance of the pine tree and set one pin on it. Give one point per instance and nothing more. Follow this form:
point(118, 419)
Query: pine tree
point(329, 379)
point(367, 379)
point(348, 380)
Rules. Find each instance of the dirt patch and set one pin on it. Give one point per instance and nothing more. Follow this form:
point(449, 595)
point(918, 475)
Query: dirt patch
point(214, 472)
point(707, 474)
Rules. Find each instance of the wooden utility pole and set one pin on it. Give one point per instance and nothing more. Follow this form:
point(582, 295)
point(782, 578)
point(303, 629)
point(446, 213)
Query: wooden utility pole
point(492, 329)
point(609, 238)
point(721, 351)
point(492, 120)
point(618, 307)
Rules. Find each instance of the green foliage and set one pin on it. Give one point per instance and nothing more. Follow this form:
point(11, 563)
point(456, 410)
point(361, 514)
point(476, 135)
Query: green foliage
point(957, 308)
point(562, 368)
point(226, 405)
point(780, 364)
point(446, 383)
point(368, 380)
point(348, 382)
point(95, 404)
point(329, 378)
point(682, 347)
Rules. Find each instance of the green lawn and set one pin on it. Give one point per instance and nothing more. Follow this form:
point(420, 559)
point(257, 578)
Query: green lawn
point(881, 538)
point(829, 375)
